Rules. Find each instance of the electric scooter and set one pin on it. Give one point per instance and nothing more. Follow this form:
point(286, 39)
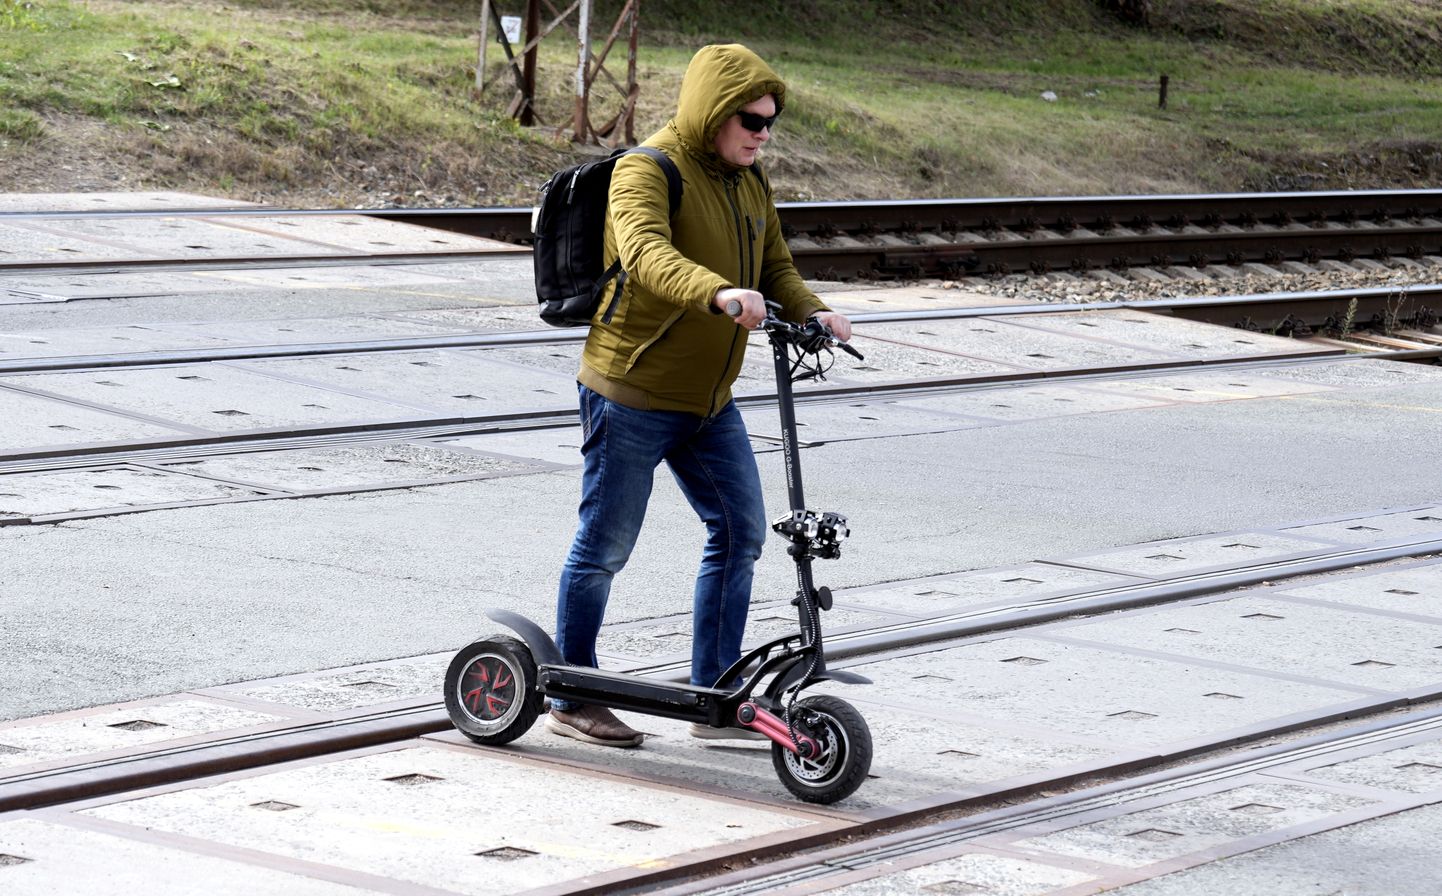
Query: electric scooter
point(821, 746)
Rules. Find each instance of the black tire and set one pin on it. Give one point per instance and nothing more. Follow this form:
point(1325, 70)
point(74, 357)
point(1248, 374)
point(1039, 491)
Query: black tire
point(845, 751)
point(491, 691)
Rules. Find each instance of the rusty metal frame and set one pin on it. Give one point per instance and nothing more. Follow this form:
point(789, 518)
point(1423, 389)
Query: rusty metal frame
point(619, 129)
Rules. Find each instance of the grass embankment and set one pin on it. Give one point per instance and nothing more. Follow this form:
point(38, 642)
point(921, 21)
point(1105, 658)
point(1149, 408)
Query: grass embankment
point(323, 102)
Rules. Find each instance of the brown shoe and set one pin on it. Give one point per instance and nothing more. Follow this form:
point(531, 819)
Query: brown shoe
point(593, 725)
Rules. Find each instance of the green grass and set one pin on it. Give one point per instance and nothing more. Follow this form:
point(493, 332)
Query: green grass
point(20, 125)
point(886, 98)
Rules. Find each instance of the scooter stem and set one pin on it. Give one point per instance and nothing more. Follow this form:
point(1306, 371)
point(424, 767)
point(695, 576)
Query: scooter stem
point(786, 400)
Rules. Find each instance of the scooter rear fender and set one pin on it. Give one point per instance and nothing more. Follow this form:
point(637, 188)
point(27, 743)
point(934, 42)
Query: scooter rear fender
point(543, 650)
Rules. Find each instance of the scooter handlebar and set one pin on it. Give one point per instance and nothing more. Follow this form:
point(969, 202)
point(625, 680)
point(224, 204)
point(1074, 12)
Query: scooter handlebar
point(812, 336)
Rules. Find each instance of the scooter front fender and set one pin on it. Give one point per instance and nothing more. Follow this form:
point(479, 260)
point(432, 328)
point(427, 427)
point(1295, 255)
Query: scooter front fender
point(793, 673)
point(543, 650)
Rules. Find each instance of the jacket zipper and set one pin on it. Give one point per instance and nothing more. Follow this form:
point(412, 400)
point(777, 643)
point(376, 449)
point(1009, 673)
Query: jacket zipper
point(747, 270)
point(615, 298)
point(751, 253)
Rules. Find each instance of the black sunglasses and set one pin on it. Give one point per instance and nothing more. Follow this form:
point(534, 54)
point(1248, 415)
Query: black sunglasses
point(756, 123)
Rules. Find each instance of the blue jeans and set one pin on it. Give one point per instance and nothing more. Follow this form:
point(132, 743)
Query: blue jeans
point(712, 462)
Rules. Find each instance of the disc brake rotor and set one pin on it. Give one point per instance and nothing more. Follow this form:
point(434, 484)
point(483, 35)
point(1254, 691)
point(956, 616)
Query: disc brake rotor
point(819, 767)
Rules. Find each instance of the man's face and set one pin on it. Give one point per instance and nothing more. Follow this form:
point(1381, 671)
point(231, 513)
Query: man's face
point(735, 143)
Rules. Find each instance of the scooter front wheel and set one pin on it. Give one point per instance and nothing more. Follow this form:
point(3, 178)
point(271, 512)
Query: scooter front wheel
point(844, 757)
point(490, 690)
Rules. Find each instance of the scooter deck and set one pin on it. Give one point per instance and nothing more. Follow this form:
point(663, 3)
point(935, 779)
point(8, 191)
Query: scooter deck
point(619, 691)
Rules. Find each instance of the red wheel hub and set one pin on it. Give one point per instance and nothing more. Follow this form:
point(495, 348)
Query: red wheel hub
point(488, 688)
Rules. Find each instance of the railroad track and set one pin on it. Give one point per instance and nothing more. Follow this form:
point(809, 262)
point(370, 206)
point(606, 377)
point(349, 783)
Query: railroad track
point(987, 237)
point(1154, 235)
point(20, 460)
point(979, 237)
point(1288, 313)
point(137, 772)
point(1405, 312)
point(876, 839)
point(876, 854)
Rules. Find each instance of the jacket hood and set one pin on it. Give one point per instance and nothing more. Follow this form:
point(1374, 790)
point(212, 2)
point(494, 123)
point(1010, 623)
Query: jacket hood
point(719, 81)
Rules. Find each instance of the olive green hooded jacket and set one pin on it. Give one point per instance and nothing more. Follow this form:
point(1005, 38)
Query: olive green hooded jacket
point(657, 343)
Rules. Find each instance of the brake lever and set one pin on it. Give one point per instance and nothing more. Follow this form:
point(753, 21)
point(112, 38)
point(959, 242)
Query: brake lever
point(823, 337)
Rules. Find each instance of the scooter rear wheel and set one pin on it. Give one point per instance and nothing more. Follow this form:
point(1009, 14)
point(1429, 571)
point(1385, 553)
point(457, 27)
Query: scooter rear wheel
point(490, 690)
point(845, 756)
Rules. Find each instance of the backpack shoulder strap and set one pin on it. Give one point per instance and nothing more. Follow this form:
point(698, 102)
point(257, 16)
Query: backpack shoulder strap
point(756, 170)
point(668, 167)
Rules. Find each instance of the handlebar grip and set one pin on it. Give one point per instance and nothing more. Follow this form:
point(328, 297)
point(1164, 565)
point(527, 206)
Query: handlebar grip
point(733, 307)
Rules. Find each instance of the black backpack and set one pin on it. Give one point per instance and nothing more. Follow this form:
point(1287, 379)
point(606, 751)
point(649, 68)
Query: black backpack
point(570, 231)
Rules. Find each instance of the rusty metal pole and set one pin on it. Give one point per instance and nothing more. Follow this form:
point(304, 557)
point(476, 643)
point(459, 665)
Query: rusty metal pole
point(528, 62)
point(481, 50)
point(632, 88)
point(582, 127)
point(1162, 97)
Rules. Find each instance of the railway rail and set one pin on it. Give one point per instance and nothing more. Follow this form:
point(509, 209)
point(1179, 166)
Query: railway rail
point(980, 237)
point(902, 833)
point(955, 238)
point(161, 455)
point(877, 853)
point(149, 767)
point(1406, 312)
point(1289, 312)
point(165, 454)
point(876, 841)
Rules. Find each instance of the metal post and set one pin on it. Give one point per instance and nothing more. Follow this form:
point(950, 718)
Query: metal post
point(632, 87)
point(528, 64)
point(581, 123)
point(481, 50)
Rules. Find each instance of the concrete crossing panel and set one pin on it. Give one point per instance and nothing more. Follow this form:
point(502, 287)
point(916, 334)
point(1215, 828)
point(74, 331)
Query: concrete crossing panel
point(1085, 691)
point(30, 495)
point(444, 381)
point(952, 594)
point(1189, 826)
point(818, 422)
point(1407, 525)
point(49, 857)
point(357, 467)
point(359, 234)
point(464, 821)
point(1163, 332)
point(115, 729)
point(303, 331)
point(102, 200)
point(1333, 646)
point(214, 397)
point(179, 237)
point(884, 362)
point(31, 245)
point(998, 340)
point(556, 445)
point(1167, 559)
point(34, 421)
point(1015, 403)
point(122, 340)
